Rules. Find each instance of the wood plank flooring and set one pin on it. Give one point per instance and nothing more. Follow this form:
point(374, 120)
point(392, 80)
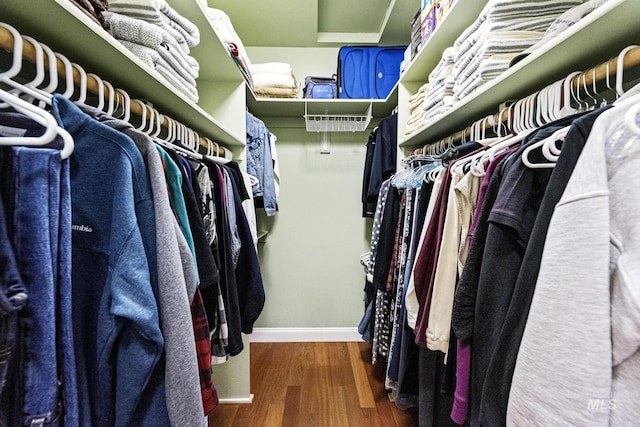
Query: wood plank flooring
point(314, 385)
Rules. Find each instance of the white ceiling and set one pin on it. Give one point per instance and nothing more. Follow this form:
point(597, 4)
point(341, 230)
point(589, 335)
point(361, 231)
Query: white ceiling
point(320, 23)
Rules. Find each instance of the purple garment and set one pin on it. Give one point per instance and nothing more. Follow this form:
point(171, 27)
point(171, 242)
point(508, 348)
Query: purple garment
point(460, 411)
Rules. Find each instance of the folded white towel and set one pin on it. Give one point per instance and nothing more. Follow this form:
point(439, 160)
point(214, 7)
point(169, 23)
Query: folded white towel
point(435, 113)
point(447, 59)
point(159, 12)
point(224, 29)
point(285, 81)
point(499, 42)
point(487, 70)
point(503, 10)
point(415, 117)
point(416, 96)
point(176, 81)
point(145, 34)
point(182, 25)
point(530, 23)
point(415, 102)
point(436, 99)
point(272, 67)
point(153, 59)
point(275, 92)
point(222, 25)
point(473, 27)
point(410, 130)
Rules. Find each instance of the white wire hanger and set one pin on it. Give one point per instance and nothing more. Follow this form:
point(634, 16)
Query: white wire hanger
point(41, 117)
point(35, 113)
point(546, 142)
point(74, 83)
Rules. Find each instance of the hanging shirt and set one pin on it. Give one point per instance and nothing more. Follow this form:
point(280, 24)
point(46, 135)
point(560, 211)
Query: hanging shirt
point(174, 183)
point(444, 282)
point(207, 268)
point(425, 265)
point(206, 199)
point(500, 370)
point(368, 207)
point(510, 222)
point(382, 160)
point(411, 299)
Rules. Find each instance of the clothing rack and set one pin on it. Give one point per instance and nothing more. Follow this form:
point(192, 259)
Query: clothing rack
point(585, 81)
point(138, 107)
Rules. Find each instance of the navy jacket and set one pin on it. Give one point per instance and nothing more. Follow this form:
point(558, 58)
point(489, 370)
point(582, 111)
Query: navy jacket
point(116, 327)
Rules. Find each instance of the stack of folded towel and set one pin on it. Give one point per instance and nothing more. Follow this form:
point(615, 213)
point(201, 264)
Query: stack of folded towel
point(561, 23)
point(440, 97)
point(160, 37)
point(502, 31)
point(224, 29)
point(416, 113)
point(273, 80)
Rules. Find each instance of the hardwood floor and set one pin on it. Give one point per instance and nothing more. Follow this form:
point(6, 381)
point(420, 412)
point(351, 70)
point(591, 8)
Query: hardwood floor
point(314, 385)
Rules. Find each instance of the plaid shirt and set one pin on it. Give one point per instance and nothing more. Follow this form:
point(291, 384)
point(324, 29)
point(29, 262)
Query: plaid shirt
point(203, 348)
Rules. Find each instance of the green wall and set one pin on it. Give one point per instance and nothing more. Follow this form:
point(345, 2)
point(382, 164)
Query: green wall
point(310, 257)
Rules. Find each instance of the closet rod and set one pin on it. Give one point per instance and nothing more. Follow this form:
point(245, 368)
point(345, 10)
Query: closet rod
point(29, 53)
point(598, 73)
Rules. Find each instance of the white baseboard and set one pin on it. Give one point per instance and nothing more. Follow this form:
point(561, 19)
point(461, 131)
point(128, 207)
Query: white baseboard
point(305, 335)
point(236, 400)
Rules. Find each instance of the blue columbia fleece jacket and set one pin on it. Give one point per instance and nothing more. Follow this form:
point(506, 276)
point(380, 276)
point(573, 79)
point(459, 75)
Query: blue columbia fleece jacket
point(117, 334)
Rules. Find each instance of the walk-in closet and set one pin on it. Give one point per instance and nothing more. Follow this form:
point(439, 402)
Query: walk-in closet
point(319, 213)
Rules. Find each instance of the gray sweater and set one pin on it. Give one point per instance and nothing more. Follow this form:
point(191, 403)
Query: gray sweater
point(579, 361)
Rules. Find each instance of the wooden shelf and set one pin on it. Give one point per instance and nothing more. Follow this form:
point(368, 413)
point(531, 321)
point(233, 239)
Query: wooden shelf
point(65, 29)
point(593, 39)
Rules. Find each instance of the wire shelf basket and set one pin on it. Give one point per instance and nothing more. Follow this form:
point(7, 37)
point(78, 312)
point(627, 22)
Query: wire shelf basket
point(337, 122)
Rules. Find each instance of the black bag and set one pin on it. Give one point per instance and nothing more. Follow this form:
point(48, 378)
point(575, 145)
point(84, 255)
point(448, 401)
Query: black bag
point(320, 87)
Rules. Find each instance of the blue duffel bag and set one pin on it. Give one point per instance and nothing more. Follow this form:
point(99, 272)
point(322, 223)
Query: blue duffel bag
point(320, 87)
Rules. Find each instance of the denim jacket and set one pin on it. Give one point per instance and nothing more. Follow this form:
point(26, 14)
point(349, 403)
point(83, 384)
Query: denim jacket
point(260, 162)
